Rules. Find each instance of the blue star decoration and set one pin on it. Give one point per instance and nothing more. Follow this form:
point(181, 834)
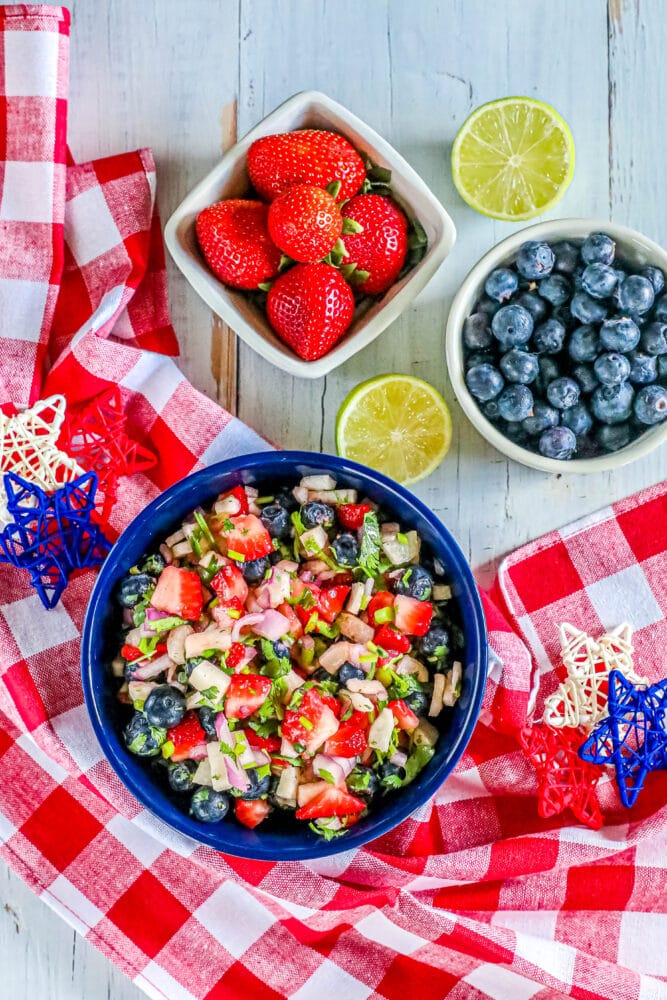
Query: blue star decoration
point(633, 736)
point(52, 534)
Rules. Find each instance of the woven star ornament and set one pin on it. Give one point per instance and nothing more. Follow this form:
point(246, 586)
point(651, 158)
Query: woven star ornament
point(633, 737)
point(51, 535)
point(29, 449)
point(565, 781)
point(95, 435)
point(581, 698)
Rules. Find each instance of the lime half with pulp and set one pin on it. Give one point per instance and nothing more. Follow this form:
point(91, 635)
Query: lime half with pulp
point(397, 424)
point(513, 159)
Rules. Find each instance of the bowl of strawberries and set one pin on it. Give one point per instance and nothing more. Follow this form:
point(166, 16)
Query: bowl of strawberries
point(310, 236)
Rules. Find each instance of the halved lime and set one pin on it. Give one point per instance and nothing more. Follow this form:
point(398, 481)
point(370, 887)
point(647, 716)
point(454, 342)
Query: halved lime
point(513, 159)
point(397, 424)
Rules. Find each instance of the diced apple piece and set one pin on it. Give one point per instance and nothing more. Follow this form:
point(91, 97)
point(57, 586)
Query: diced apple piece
point(454, 676)
point(176, 643)
point(400, 552)
point(353, 628)
point(206, 675)
point(314, 540)
point(212, 638)
point(309, 790)
point(202, 775)
point(353, 605)
point(379, 735)
point(409, 665)
point(333, 658)
point(372, 689)
point(438, 693)
point(425, 734)
point(323, 482)
point(216, 759)
point(287, 787)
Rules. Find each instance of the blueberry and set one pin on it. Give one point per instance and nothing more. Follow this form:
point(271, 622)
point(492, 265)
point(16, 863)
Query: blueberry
point(207, 719)
point(501, 284)
point(194, 662)
point(363, 781)
point(643, 368)
point(654, 338)
point(490, 410)
point(586, 309)
point(577, 418)
point(533, 304)
point(515, 402)
point(587, 447)
point(346, 549)
point(660, 312)
point(599, 280)
point(567, 257)
point(549, 337)
point(598, 248)
point(662, 366)
point(519, 366)
point(612, 404)
point(315, 513)
point(417, 701)
point(651, 405)
point(514, 431)
point(415, 582)
point(141, 738)
point(276, 520)
point(285, 498)
point(477, 332)
point(165, 706)
point(153, 565)
point(133, 588)
point(636, 295)
point(180, 775)
point(621, 334)
point(613, 436)
point(259, 787)
point(549, 370)
point(391, 771)
point(281, 650)
point(487, 306)
point(586, 377)
point(208, 806)
point(542, 417)
point(349, 672)
point(563, 392)
point(255, 570)
point(612, 368)
point(555, 289)
point(655, 276)
point(484, 382)
point(558, 442)
point(480, 358)
point(584, 343)
point(535, 260)
point(436, 640)
point(512, 325)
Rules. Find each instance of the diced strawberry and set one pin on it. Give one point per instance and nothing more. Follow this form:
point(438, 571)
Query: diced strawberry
point(179, 592)
point(270, 743)
point(388, 638)
point(412, 616)
point(332, 702)
point(228, 582)
point(227, 614)
point(330, 602)
point(333, 801)
point(245, 694)
point(251, 813)
point(132, 653)
point(241, 496)
point(349, 741)
point(295, 628)
point(405, 717)
point(342, 578)
point(313, 722)
point(236, 655)
point(351, 515)
point(246, 537)
point(384, 599)
point(186, 736)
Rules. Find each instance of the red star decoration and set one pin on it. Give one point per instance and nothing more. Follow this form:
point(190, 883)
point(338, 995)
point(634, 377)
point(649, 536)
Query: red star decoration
point(96, 436)
point(564, 780)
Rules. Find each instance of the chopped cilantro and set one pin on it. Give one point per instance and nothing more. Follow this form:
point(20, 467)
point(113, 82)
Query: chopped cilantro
point(166, 624)
point(369, 554)
point(327, 775)
point(227, 525)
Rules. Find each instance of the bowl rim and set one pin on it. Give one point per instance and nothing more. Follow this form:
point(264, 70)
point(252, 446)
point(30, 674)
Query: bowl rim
point(575, 228)
point(401, 807)
point(217, 296)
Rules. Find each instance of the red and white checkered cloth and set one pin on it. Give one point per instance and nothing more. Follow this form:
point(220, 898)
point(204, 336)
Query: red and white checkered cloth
point(472, 896)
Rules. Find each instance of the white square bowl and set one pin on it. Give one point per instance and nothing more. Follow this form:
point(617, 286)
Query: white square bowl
point(229, 179)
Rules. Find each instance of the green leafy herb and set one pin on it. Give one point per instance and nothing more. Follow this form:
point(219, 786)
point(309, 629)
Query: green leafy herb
point(390, 781)
point(267, 728)
point(166, 624)
point(148, 645)
point(227, 525)
point(205, 530)
point(329, 687)
point(358, 780)
point(417, 760)
point(225, 747)
point(369, 554)
point(327, 775)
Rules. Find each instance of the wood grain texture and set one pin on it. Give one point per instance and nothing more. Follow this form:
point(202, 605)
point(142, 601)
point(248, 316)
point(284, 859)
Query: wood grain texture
point(162, 73)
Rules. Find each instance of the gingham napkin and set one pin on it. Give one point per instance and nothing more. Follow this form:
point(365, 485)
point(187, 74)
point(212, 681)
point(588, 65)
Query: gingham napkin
point(474, 895)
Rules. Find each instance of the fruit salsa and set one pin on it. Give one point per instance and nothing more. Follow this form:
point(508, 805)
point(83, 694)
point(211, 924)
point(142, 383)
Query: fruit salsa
point(566, 351)
point(326, 234)
point(288, 654)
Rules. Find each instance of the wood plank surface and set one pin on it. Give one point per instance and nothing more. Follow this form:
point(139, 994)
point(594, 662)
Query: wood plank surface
point(182, 75)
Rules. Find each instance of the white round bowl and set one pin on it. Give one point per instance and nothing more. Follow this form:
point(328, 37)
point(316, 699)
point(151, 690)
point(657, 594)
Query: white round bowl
point(631, 245)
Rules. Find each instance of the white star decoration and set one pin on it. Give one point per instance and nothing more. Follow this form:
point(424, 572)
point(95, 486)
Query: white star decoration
point(581, 699)
point(28, 447)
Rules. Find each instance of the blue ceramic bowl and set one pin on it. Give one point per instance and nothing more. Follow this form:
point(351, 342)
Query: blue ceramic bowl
point(100, 645)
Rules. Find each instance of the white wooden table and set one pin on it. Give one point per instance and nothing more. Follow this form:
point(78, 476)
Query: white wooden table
point(176, 74)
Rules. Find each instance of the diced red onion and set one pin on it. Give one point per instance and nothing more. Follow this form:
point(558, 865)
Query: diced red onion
point(287, 748)
point(338, 767)
point(261, 758)
point(247, 756)
point(171, 676)
point(153, 615)
point(128, 616)
point(199, 752)
point(306, 576)
point(146, 671)
point(246, 620)
point(398, 758)
point(321, 578)
point(287, 565)
point(271, 625)
point(251, 492)
point(166, 554)
point(236, 775)
point(222, 730)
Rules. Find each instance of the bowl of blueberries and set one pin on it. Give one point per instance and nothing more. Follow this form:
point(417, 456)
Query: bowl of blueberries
point(557, 346)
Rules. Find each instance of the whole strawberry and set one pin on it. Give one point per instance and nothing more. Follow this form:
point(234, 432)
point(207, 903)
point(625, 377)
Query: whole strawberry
point(305, 222)
point(310, 307)
point(307, 156)
point(380, 247)
point(234, 238)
